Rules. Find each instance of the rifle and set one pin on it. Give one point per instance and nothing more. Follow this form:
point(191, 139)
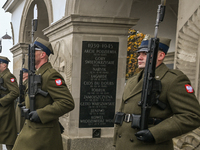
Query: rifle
point(1, 87)
point(21, 86)
point(151, 87)
point(34, 81)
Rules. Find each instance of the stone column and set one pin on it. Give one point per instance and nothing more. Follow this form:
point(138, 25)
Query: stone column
point(68, 37)
point(18, 51)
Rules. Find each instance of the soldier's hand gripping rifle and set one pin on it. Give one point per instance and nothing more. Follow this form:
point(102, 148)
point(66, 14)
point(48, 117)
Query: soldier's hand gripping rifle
point(151, 87)
point(34, 81)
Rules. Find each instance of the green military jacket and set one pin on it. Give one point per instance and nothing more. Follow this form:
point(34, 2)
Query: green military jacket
point(46, 135)
point(8, 131)
point(181, 115)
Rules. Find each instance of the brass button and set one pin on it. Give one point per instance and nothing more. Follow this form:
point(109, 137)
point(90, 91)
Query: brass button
point(131, 140)
point(139, 103)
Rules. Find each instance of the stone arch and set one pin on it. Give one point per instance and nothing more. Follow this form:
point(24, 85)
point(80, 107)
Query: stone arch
point(69, 7)
point(13, 35)
point(49, 10)
point(45, 18)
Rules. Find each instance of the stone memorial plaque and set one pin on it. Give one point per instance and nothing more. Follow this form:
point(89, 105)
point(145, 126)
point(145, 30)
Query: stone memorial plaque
point(98, 84)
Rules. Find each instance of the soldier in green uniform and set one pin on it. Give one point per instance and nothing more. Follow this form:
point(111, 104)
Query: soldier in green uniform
point(19, 118)
point(9, 91)
point(42, 130)
point(181, 115)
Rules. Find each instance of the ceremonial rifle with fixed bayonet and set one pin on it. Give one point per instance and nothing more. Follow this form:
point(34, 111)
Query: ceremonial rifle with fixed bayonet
point(34, 81)
point(151, 87)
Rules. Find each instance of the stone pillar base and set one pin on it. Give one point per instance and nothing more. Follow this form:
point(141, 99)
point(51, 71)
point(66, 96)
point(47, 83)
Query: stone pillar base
point(104, 143)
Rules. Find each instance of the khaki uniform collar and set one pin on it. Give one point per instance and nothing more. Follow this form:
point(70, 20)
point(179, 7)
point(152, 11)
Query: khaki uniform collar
point(161, 70)
point(135, 86)
point(4, 72)
point(43, 68)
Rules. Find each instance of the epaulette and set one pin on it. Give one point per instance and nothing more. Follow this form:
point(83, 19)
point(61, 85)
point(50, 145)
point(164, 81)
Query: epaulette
point(52, 70)
point(176, 72)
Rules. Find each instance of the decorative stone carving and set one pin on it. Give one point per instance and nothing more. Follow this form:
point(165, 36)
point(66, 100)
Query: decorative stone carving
point(62, 61)
point(190, 141)
point(187, 48)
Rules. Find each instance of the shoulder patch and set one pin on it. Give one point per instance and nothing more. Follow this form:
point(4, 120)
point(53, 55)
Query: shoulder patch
point(58, 82)
point(189, 88)
point(12, 79)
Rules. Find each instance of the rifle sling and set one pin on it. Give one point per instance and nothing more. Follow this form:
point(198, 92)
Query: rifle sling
point(133, 117)
point(153, 121)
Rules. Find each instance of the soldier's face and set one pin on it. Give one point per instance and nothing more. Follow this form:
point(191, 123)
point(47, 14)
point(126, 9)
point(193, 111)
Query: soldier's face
point(37, 57)
point(142, 56)
point(2, 66)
